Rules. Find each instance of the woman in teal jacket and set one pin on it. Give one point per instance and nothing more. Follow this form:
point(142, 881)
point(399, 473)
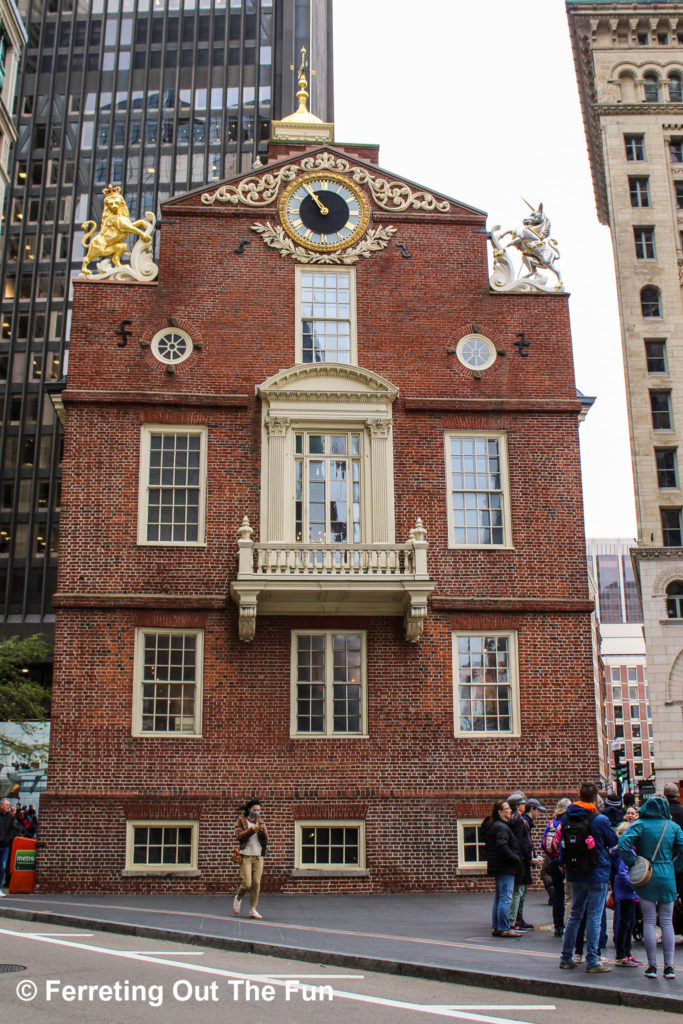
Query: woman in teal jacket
point(660, 892)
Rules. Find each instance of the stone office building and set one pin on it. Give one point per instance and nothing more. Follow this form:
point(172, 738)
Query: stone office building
point(322, 541)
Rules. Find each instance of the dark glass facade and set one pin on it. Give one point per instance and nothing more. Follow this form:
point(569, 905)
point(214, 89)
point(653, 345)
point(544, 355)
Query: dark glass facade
point(159, 96)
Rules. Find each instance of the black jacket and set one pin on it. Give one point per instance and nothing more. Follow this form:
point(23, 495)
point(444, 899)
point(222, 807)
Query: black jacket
point(503, 855)
point(676, 812)
point(9, 828)
point(520, 830)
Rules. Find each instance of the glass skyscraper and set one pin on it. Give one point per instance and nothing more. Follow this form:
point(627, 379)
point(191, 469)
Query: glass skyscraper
point(159, 96)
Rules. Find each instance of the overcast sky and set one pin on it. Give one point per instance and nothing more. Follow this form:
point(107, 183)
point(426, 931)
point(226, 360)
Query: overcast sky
point(480, 102)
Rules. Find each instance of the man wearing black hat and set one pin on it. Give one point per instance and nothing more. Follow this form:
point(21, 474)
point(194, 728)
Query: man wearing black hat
point(533, 809)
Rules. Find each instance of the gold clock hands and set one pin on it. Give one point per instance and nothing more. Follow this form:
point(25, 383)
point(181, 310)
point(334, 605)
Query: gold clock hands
point(323, 209)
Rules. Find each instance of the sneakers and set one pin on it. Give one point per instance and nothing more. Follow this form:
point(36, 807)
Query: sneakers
point(523, 926)
point(630, 961)
point(598, 968)
point(669, 971)
point(566, 965)
point(651, 971)
point(255, 914)
point(236, 904)
point(578, 958)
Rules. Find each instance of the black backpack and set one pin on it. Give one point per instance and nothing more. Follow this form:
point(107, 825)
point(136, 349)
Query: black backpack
point(575, 854)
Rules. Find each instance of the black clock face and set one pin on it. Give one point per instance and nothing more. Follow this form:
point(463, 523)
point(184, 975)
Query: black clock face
point(324, 211)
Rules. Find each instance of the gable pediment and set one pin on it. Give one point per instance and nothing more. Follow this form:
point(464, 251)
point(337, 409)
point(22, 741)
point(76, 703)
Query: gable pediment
point(326, 383)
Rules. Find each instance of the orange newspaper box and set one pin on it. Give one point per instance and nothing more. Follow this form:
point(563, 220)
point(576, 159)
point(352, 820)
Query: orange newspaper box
point(22, 865)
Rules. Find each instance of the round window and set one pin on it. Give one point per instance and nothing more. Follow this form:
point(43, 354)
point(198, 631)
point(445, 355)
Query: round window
point(171, 346)
point(476, 352)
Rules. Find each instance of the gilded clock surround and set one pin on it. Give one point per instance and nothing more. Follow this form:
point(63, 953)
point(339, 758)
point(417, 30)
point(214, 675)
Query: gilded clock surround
point(310, 180)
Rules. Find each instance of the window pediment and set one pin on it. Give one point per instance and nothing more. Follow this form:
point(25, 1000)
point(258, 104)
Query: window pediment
point(327, 383)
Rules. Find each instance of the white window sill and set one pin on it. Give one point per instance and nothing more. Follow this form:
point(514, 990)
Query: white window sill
point(161, 873)
point(471, 869)
point(322, 873)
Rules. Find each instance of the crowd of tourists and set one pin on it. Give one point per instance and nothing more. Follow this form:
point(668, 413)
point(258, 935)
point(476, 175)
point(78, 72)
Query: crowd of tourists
point(593, 854)
point(15, 821)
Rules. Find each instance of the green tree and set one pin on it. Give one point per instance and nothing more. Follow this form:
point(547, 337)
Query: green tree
point(22, 699)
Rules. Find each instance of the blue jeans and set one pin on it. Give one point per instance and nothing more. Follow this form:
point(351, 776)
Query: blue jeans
point(4, 858)
point(589, 897)
point(500, 916)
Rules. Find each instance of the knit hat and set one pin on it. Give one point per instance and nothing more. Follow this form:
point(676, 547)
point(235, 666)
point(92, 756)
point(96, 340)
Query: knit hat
point(516, 798)
point(613, 800)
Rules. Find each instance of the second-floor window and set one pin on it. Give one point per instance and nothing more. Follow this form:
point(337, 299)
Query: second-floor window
point(168, 682)
point(645, 243)
point(328, 487)
point(326, 316)
point(172, 485)
point(477, 498)
point(329, 692)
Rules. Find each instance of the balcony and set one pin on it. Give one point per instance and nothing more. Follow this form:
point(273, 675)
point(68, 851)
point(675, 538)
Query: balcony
point(296, 578)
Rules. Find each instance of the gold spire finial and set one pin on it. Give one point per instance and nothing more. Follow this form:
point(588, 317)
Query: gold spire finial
point(302, 94)
point(302, 124)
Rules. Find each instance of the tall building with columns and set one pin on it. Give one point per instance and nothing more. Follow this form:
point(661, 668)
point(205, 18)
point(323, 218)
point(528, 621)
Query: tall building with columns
point(12, 41)
point(629, 66)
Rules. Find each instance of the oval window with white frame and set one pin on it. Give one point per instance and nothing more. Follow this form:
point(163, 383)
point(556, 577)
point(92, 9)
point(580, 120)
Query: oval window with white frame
point(171, 346)
point(476, 352)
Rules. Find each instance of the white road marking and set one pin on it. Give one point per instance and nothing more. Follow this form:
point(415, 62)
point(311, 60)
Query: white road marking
point(67, 935)
point(160, 952)
point(440, 1011)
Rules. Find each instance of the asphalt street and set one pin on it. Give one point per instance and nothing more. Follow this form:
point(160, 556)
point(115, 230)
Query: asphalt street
point(74, 976)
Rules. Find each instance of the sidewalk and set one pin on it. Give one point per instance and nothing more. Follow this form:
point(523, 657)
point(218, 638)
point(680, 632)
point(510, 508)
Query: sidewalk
point(445, 937)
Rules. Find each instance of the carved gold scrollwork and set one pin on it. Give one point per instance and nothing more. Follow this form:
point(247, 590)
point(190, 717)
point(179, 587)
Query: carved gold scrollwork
point(261, 190)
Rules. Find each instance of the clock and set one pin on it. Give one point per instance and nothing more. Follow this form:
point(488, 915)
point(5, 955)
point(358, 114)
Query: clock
point(324, 211)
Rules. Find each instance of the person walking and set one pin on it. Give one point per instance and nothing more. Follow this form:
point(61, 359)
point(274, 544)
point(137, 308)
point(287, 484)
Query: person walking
point(552, 852)
point(503, 862)
point(655, 836)
point(587, 838)
point(252, 837)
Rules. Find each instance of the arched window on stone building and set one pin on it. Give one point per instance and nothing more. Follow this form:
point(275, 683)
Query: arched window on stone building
point(627, 87)
point(674, 600)
point(650, 301)
point(675, 91)
point(650, 88)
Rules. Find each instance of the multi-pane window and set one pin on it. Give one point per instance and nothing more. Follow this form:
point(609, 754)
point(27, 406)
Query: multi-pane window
point(660, 407)
point(674, 600)
point(675, 92)
point(678, 189)
point(645, 243)
point(676, 151)
point(651, 89)
point(476, 468)
point(327, 487)
point(635, 711)
point(616, 673)
point(633, 693)
point(329, 693)
point(672, 534)
point(161, 846)
point(650, 301)
point(330, 845)
point(172, 486)
point(635, 147)
point(485, 683)
point(326, 310)
point(168, 682)
point(639, 190)
point(666, 467)
point(471, 845)
point(655, 355)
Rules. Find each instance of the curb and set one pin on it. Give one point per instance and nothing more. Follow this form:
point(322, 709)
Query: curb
point(428, 972)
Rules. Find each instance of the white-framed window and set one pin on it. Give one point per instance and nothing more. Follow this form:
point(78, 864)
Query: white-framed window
point(476, 352)
point(327, 487)
point(172, 485)
point(477, 490)
point(171, 346)
point(329, 683)
point(167, 693)
point(162, 845)
point(616, 674)
point(325, 310)
point(330, 845)
point(485, 683)
point(471, 845)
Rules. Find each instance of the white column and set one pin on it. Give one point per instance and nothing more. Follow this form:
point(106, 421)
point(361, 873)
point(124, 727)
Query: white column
point(382, 476)
point(278, 488)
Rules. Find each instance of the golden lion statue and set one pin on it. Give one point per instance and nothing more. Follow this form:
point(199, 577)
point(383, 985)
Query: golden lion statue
point(116, 226)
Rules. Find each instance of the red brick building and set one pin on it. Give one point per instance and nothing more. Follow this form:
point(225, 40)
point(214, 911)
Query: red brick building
point(400, 631)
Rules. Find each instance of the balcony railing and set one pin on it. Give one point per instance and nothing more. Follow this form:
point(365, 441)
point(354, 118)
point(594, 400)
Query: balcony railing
point(307, 577)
